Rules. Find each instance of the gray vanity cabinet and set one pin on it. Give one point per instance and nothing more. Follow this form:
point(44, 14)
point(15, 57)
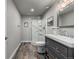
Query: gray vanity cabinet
point(56, 50)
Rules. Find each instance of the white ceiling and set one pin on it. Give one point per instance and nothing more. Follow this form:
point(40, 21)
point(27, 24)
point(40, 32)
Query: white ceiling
point(39, 6)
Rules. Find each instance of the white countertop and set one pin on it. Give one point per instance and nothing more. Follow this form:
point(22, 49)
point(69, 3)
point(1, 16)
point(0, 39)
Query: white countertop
point(67, 41)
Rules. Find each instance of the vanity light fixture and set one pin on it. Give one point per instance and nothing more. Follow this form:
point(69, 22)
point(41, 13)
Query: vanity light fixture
point(63, 4)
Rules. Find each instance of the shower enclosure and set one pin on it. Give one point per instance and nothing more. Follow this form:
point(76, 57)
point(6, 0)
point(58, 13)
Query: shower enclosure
point(38, 31)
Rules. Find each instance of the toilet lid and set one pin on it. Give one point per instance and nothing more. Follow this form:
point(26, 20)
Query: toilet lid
point(40, 43)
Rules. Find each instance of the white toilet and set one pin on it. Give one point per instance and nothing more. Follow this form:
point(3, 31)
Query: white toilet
point(40, 46)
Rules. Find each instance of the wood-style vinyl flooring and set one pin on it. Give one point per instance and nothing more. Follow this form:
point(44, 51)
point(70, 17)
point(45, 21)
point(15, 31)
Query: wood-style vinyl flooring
point(28, 51)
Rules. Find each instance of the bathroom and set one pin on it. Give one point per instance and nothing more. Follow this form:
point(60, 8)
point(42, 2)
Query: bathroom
point(37, 29)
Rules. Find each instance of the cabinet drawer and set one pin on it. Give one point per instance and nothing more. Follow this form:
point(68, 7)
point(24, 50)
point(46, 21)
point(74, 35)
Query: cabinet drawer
point(54, 53)
point(62, 49)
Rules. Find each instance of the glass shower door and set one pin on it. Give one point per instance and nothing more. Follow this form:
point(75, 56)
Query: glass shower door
point(37, 31)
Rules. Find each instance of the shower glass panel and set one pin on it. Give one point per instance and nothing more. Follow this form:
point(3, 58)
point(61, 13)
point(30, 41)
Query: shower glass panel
point(37, 31)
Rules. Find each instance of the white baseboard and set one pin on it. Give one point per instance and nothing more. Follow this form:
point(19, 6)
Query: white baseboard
point(14, 52)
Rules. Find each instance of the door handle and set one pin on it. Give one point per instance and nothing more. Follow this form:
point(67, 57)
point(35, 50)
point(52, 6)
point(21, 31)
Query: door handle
point(6, 38)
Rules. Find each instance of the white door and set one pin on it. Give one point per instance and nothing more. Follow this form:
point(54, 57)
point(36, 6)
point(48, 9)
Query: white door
point(27, 31)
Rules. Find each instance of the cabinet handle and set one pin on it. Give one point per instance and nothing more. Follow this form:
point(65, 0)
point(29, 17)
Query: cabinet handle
point(56, 49)
point(64, 56)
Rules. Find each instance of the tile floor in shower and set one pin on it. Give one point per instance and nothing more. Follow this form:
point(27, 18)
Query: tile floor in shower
point(28, 51)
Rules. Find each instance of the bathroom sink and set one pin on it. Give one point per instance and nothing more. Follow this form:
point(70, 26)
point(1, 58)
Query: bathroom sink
point(67, 41)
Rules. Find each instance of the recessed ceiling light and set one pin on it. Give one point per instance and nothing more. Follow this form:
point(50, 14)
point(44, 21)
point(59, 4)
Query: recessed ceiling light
point(32, 10)
point(47, 7)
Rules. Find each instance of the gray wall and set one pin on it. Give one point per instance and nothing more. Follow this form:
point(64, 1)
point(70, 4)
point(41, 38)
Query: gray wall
point(13, 32)
point(51, 12)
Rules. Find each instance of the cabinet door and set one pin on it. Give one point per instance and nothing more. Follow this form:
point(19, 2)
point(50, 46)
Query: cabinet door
point(51, 54)
point(54, 53)
point(71, 53)
point(62, 49)
point(50, 43)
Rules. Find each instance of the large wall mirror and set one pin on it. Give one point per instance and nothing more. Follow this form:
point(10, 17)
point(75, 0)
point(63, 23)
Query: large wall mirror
point(65, 18)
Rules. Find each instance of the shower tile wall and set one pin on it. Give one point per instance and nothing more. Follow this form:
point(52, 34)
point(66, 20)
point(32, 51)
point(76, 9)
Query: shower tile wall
point(37, 31)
